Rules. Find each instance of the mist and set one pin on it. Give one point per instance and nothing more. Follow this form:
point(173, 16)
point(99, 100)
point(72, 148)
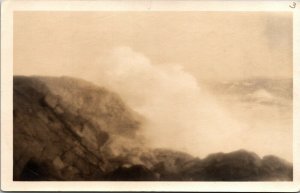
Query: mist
point(179, 113)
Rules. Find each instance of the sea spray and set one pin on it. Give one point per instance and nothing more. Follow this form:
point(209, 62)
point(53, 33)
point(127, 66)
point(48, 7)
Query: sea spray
point(179, 113)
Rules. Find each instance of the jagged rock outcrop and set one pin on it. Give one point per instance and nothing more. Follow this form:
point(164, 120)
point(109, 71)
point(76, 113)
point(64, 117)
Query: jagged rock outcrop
point(70, 126)
point(69, 129)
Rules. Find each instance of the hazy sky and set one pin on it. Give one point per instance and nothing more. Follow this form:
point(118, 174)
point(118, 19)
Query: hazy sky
point(208, 45)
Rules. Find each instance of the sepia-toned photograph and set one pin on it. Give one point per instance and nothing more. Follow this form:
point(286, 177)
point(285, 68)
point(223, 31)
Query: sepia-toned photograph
point(169, 96)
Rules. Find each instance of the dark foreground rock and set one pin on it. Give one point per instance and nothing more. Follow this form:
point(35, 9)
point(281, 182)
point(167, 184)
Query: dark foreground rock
point(66, 128)
point(239, 166)
point(69, 129)
point(132, 173)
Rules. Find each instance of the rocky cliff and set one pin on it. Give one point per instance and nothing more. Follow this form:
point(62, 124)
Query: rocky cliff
point(70, 129)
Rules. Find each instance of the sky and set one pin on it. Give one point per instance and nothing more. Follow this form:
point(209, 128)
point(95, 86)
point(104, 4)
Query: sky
point(210, 45)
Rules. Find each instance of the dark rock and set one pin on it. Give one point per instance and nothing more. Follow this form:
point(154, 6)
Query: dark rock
point(239, 166)
point(35, 170)
point(274, 168)
point(132, 173)
point(235, 166)
point(57, 133)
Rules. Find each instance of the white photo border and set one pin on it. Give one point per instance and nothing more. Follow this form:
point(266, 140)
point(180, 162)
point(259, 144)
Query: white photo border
point(10, 6)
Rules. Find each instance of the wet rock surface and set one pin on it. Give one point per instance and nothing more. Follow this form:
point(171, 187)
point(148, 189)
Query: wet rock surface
point(69, 129)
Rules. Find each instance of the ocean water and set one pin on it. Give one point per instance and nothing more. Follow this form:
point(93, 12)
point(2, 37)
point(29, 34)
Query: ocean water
point(265, 107)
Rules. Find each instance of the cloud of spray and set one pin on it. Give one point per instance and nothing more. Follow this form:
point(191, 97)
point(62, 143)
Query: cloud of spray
point(179, 113)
